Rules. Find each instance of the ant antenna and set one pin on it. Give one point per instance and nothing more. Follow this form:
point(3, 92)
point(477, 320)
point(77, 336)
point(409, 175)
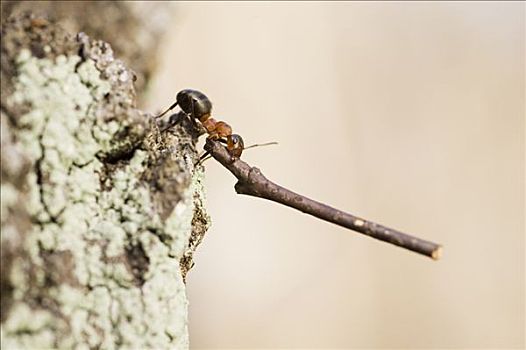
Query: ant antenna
point(169, 109)
point(261, 145)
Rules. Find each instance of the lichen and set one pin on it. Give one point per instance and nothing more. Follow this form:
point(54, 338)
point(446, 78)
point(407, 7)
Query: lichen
point(100, 296)
point(8, 197)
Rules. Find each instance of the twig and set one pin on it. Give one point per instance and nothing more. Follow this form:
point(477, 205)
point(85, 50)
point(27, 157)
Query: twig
point(253, 183)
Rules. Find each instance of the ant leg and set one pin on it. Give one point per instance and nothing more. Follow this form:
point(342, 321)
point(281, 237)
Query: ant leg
point(203, 158)
point(169, 109)
point(173, 121)
point(206, 155)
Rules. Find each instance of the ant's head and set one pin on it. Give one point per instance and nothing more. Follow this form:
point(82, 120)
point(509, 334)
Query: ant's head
point(235, 145)
point(194, 103)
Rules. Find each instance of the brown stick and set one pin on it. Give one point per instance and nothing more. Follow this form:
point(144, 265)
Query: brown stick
point(253, 183)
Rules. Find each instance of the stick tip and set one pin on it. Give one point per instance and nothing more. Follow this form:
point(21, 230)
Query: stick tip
point(437, 253)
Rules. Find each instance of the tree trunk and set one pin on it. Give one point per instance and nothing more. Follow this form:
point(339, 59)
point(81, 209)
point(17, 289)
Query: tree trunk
point(100, 211)
point(133, 28)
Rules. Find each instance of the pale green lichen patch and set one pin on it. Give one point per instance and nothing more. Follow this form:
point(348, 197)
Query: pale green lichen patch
point(117, 283)
point(90, 76)
point(8, 197)
point(181, 219)
point(34, 328)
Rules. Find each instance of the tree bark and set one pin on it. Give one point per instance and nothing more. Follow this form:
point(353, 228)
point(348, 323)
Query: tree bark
point(133, 28)
point(100, 211)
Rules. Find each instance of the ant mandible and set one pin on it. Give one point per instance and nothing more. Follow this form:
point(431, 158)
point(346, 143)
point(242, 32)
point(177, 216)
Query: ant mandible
point(196, 105)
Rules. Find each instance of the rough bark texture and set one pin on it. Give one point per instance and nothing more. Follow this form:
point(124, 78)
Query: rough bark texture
point(132, 27)
point(100, 211)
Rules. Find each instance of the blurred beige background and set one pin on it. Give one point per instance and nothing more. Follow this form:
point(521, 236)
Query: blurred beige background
point(409, 114)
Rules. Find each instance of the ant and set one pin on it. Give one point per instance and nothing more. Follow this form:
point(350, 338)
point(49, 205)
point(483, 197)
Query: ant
point(196, 105)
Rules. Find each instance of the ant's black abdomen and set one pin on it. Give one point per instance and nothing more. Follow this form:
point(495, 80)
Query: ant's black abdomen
point(194, 103)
